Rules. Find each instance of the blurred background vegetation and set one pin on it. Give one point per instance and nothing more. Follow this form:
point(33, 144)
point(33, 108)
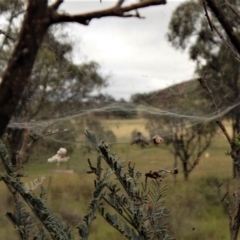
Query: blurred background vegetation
point(63, 95)
point(196, 210)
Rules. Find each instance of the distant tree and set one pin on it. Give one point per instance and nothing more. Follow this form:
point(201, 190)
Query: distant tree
point(100, 104)
point(190, 29)
point(171, 118)
point(188, 142)
point(124, 109)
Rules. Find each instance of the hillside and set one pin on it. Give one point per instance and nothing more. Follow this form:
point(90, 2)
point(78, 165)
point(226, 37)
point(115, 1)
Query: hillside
point(187, 98)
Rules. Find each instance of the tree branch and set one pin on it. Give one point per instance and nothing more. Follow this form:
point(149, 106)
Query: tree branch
point(205, 86)
point(207, 16)
point(119, 3)
point(116, 11)
point(56, 5)
point(225, 24)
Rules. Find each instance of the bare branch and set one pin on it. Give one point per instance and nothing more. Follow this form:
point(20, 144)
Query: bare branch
point(116, 11)
point(138, 14)
point(56, 4)
point(13, 15)
point(204, 84)
point(6, 35)
point(207, 16)
point(45, 134)
point(227, 44)
point(119, 3)
point(224, 197)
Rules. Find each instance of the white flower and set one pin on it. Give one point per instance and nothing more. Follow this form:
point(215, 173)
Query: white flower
point(62, 152)
point(60, 156)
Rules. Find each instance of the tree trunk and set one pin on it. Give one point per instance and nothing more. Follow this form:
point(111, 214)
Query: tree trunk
point(15, 141)
point(175, 166)
point(15, 78)
point(235, 130)
point(236, 218)
point(185, 170)
point(234, 169)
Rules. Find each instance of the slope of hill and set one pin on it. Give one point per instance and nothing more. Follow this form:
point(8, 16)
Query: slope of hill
point(187, 98)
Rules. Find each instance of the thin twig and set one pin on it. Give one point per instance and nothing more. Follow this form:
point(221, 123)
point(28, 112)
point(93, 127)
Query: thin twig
point(225, 195)
point(205, 86)
point(207, 16)
point(7, 35)
point(227, 44)
point(56, 4)
point(119, 3)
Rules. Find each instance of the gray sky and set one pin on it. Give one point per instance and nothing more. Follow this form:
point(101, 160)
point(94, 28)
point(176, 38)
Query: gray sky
point(135, 52)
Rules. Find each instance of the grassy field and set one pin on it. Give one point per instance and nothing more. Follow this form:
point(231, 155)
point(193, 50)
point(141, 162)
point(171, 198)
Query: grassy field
point(196, 211)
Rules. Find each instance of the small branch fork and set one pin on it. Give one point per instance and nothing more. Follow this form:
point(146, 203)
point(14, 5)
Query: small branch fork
point(56, 5)
point(116, 11)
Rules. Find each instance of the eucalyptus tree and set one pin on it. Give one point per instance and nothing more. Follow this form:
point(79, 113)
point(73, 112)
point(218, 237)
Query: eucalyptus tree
point(190, 29)
point(56, 86)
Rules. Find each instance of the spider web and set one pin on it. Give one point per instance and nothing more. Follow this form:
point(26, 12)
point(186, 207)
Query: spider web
point(180, 103)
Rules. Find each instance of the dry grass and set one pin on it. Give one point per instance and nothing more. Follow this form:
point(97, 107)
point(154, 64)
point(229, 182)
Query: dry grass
point(123, 128)
point(196, 211)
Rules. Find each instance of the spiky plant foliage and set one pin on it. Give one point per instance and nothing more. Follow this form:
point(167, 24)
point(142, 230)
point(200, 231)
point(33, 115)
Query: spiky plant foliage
point(136, 210)
point(24, 223)
point(21, 220)
point(139, 210)
point(51, 222)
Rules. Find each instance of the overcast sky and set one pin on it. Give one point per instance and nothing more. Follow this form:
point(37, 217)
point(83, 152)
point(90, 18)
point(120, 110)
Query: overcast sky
point(135, 52)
